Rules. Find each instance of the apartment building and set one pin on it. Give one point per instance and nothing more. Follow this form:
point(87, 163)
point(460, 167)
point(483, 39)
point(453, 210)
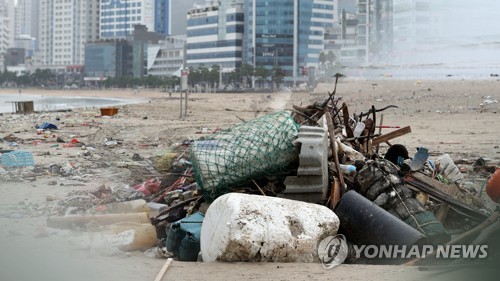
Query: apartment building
point(118, 17)
point(65, 26)
point(215, 34)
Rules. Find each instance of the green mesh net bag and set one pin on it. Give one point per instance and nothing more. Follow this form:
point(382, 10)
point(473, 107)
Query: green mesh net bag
point(252, 150)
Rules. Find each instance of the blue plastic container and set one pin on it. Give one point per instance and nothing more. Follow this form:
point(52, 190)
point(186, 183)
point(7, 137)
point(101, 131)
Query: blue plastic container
point(17, 158)
point(183, 238)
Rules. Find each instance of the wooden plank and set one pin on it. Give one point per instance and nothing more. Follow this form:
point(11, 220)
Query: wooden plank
point(443, 209)
point(391, 135)
point(348, 129)
point(441, 196)
point(446, 188)
point(329, 123)
point(163, 270)
point(450, 189)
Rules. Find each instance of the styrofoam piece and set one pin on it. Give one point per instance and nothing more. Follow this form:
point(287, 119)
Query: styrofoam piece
point(311, 182)
point(241, 227)
point(449, 169)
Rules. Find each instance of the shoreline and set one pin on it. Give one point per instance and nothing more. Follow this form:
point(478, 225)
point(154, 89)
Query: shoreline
point(107, 93)
point(57, 100)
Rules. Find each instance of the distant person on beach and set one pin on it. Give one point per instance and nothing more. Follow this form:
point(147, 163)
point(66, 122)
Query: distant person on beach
point(19, 91)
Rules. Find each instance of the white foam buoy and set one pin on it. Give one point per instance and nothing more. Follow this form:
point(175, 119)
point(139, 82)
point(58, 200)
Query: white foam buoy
point(241, 227)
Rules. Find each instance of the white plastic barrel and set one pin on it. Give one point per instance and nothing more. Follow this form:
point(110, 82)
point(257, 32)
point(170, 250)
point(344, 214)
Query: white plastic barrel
point(241, 227)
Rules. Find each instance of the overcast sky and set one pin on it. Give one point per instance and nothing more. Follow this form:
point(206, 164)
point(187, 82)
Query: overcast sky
point(468, 20)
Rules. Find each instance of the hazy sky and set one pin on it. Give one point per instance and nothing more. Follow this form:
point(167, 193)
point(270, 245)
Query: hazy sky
point(471, 33)
point(466, 20)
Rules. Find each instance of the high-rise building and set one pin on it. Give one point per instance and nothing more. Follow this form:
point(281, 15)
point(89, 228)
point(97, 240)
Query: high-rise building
point(215, 34)
point(177, 15)
point(170, 15)
point(381, 31)
point(6, 27)
point(162, 11)
point(107, 59)
point(362, 30)
point(27, 16)
point(288, 34)
point(65, 27)
point(411, 27)
point(26, 42)
point(118, 17)
point(4, 35)
point(349, 6)
point(167, 57)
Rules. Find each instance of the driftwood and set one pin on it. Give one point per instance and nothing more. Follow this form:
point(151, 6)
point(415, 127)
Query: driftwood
point(348, 129)
point(334, 150)
point(163, 270)
point(391, 135)
point(441, 196)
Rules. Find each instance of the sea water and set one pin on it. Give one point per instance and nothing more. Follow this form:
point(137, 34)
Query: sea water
point(415, 72)
point(48, 103)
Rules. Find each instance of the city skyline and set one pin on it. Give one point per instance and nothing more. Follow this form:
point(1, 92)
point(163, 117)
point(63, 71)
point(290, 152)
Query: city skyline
point(295, 35)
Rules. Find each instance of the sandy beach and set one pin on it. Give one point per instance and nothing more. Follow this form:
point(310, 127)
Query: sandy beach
point(458, 117)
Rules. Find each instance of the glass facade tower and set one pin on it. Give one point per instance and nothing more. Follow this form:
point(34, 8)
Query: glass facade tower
point(214, 35)
point(286, 33)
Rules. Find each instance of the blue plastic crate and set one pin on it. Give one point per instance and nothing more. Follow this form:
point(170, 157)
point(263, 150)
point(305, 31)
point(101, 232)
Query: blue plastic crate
point(17, 158)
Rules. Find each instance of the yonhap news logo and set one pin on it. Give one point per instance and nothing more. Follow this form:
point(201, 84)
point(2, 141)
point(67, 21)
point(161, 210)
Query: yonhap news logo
point(421, 251)
point(333, 251)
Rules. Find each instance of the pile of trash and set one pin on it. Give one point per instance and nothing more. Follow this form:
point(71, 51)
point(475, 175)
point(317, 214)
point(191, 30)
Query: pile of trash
point(274, 188)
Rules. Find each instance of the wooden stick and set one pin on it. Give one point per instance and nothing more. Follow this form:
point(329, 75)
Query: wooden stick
point(260, 189)
point(391, 135)
point(380, 131)
point(348, 128)
point(436, 193)
point(334, 150)
point(163, 270)
point(335, 193)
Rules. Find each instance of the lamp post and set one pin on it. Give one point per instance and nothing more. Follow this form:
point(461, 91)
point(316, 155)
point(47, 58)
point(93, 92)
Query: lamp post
point(274, 67)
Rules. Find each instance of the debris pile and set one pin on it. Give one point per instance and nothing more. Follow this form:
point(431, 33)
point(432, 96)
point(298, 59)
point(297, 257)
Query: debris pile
point(270, 189)
point(322, 155)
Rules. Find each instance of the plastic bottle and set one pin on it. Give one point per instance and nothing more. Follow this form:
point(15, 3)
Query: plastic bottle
point(347, 169)
point(131, 236)
point(360, 127)
point(134, 206)
point(449, 169)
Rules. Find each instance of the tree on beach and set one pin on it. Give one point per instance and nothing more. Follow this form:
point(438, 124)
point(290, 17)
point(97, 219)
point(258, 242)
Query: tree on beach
point(247, 71)
point(7, 77)
point(214, 75)
point(278, 75)
point(262, 74)
point(43, 77)
point(24, 80)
